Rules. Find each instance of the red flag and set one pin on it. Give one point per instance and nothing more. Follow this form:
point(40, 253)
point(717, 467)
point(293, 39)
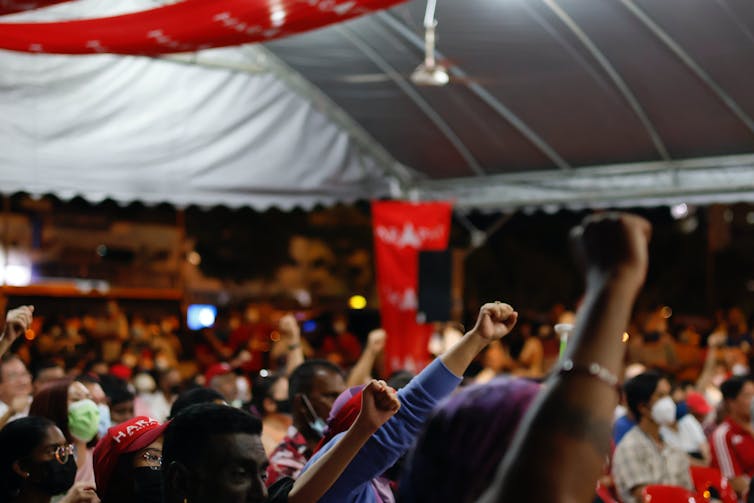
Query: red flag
point(401, 230)
point(185, 26)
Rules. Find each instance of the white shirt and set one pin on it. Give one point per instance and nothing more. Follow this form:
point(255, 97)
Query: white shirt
point(689, 436)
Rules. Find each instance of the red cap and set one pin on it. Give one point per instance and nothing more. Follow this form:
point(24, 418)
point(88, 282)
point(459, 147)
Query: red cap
point(122, 371)
point(696, 403)
point(215, 370)
point(130, 436)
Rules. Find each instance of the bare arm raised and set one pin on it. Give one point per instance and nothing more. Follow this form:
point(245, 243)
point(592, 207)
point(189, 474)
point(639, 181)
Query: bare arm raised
point(559, 451)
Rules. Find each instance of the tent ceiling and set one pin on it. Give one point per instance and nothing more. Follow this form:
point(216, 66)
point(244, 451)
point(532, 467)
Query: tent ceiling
point(547, 97)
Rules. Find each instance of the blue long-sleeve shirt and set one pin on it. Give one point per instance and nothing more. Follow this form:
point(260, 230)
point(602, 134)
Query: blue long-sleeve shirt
point(393, 439)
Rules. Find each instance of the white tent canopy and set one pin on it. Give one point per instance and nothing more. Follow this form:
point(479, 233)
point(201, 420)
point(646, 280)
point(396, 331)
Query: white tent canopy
point(553, 104)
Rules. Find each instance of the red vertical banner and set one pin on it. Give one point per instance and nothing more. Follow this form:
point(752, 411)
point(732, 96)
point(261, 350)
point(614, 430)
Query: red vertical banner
point(401, 230)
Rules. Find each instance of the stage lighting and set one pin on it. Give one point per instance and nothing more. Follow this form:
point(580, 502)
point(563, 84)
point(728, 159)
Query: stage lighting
point(357, 302)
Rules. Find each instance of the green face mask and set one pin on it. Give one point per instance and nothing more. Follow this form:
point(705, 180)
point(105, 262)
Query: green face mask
point(83, 419)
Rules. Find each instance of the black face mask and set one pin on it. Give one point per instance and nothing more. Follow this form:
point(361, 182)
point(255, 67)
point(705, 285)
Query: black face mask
point(55, 478)
point(283, 406)
point(147, 485)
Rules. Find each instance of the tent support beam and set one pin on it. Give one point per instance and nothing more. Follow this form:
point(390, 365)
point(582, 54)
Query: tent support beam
point(414, 96)
point(702, 180)
point(617, 79)
point(690, 63)
point(481, 93)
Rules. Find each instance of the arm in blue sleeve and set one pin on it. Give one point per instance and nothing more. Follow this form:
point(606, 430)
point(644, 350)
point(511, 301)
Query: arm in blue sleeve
point(397, 435)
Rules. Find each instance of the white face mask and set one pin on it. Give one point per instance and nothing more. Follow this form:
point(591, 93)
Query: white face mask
point(663, 411)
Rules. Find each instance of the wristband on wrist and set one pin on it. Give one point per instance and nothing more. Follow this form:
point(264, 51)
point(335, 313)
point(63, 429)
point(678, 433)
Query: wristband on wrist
point(594, 369)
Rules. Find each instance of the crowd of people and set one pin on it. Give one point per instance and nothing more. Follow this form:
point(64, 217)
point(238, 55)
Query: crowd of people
point(107, 410)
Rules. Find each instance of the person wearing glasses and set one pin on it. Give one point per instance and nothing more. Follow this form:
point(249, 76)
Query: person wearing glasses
point(37, 463)
point(128, 462)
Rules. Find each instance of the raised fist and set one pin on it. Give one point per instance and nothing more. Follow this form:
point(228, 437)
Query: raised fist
point(379, 402)
point(17, 322)
point(614, 245)
point(376, 340)
point(289, 326)
point(495, 321)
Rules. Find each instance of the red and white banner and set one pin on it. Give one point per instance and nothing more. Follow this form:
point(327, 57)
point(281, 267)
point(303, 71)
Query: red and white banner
point(12, 6)
point(401, 230)
point(186, 26)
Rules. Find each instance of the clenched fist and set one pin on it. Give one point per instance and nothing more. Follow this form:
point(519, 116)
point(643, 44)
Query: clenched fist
point(614, 246)
point(379, 402)
point(495, 321)
point(17, 322)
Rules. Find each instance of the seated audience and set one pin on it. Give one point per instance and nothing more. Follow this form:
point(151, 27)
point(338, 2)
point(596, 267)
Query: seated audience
point(733, 441)
point(642, 457)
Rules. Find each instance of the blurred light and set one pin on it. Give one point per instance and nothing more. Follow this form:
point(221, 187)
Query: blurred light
point(206, 316)
point(303, 297)
point(728, 215)
point(750, 285)
point(264, 373)
point(689, 225)
point(102, 250)
point(357, 302)
point(679, 211)
point(200, 316)
point(17, 275)
point(625, 337)
point(194, 258)
point(707, 495)
point(30, 335)
point(274, 336)
point(666, 312)
point(750, 218)
point(309, 326)
point(277, 17)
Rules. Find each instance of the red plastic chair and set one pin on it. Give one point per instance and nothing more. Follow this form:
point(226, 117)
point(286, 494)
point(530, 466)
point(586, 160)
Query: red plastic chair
point(667, 494)
point(705, 478)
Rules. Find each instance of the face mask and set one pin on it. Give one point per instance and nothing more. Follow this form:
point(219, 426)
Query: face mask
point(663, 411)
point(147, 485)
point(283, 406)
point(83, 420)
point(104, 420)
point(56, 478)
point(316, 423)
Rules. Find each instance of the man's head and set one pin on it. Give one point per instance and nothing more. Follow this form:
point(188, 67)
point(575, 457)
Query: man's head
point(738, 392)
point(15, 380)
point(221, 378)
point(119, 398)
point(45, 372)
point(169, 382)
point(312, 388)
point(214, 453)
point(648, 399)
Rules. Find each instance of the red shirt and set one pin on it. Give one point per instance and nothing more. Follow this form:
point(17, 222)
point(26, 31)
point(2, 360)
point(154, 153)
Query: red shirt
point(732, 449)
point(288, 458)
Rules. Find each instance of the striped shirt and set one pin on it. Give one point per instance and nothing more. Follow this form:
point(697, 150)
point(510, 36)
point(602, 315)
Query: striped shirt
point(732, 449)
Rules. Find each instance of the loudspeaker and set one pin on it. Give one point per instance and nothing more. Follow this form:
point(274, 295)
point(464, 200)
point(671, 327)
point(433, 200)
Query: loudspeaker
point(435, 276)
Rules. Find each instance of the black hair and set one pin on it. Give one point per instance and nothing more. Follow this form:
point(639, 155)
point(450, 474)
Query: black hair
point(116, 389)
point(188, 436)
point(18, 439)
point(732, 387)
point(399, 379)
point(44, 365)
point(193, 397)
point(261, 389)
point(639, 391)
point(302, 377)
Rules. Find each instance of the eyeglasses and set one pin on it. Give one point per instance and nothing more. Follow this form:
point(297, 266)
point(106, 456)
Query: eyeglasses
point(61, 453)
point(154, 460)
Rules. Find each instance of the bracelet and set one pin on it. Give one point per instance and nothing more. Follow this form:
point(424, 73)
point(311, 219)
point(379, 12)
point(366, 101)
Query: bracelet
point(593, 369)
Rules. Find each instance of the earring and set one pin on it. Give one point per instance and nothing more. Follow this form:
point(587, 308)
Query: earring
point(26, 475)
